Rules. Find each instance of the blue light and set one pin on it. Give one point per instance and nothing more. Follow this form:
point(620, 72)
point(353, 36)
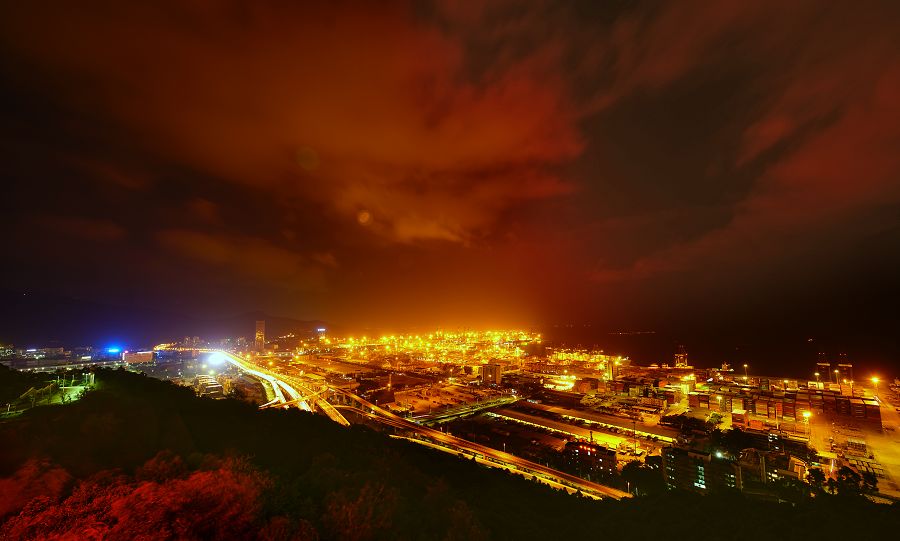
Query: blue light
point(113, 350)
point(217, 358)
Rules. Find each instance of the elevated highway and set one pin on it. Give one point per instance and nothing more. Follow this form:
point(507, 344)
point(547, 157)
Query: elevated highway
point(285, 394)
point(300, 390)
point(381, 415)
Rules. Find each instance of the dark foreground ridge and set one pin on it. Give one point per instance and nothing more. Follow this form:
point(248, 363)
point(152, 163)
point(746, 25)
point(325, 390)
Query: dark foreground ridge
point(139, 458)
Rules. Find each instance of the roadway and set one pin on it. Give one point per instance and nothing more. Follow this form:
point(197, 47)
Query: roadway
point(381, 415)
point(320, 402)
point(492, 464)
point(464, 410)
point(385, 417)
point(290, 385)
point(643, 429)
point(565, 428)
point(279, 386)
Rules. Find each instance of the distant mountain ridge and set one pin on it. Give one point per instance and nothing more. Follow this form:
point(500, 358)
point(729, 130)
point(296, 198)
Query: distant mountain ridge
point(36, 319)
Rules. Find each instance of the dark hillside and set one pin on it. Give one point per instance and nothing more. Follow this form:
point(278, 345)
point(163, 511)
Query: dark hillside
point(136, 451)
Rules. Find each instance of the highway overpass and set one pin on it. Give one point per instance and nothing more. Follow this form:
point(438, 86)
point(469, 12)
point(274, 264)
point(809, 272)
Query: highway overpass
point(298, 389)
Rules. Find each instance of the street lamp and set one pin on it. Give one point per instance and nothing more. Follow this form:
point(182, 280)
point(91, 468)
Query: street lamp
point(806, 416)
point(875, 381)
point(745, 372)
point(836, 372)
point(817, 377)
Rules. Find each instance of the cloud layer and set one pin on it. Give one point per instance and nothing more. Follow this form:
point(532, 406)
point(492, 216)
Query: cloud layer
point(456, 161)
point(354, 106)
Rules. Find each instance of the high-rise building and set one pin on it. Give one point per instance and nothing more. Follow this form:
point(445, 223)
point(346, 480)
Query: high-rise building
point(698, 471)
point(492, 373)
point(260, 337)
point(590, 458)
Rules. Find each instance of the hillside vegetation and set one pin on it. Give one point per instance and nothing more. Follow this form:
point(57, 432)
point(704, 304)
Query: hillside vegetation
point(143, 459)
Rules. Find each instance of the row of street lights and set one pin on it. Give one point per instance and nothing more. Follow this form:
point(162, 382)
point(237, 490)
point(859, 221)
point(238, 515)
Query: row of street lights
point(875, 380)
point(806, 414)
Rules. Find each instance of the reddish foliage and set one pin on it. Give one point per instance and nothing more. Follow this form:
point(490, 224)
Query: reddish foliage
point(283, 529)
point(220, 503)
point(360, 518)
point(35, 478)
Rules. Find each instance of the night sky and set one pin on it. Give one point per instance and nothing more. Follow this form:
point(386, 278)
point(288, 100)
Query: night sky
point(723, 173)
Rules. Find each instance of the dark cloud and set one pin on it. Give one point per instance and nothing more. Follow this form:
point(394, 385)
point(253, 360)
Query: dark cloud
point(821, 149)
point(86, 229)
point(623, 163)
point(356, 107)
point(253, 257)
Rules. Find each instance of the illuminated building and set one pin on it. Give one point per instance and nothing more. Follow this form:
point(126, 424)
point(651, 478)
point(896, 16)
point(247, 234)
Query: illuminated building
point(259, 341)
point(698, 471)
point(590, 458)
point(759, 468)
point(40, 353)
point(108, 354)
point(207, 385)
point(492, 374)
point(137, 357)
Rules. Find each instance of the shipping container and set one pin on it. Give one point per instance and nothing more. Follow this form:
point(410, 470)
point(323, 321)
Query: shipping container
point(873, 413)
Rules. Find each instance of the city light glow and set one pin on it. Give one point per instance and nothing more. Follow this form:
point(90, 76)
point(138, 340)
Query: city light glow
point(418, 270)
point(216, 358)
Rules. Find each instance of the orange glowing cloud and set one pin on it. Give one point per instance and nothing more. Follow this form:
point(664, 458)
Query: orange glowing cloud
point(362, 108)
